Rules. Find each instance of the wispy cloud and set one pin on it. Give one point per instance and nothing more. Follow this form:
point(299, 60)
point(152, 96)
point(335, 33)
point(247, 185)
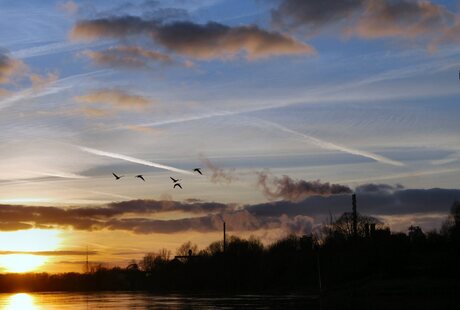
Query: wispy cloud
point(115, 97)
point(218, 175)
point(133, 160)
point(332, 146)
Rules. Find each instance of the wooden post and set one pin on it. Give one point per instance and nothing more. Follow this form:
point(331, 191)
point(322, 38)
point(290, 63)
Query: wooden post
point(355, 217)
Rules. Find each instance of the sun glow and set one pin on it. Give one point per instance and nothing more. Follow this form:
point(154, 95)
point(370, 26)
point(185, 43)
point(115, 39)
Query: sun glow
point(29, 241)
point(21, 262)
point(21, 301)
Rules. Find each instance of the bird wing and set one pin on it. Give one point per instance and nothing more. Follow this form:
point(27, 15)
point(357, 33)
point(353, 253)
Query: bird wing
point(177, 184)
point(141, 177)
point(116, 176)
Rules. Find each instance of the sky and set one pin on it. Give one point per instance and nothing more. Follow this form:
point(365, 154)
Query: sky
point(288, 106)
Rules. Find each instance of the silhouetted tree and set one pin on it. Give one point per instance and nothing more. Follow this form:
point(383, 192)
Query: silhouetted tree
point(344, 224)
point(185, 249)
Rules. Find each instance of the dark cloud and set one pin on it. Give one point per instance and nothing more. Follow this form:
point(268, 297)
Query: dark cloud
point(166, 14)
point(208, 41)
point(385, 203)
point(295, 190)
point(377, 188)
point(12, 226)
point(313, 15)
point(138, 216)
point(369, 18)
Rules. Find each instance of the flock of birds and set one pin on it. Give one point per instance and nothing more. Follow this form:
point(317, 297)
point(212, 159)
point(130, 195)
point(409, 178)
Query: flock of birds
point(176, 182)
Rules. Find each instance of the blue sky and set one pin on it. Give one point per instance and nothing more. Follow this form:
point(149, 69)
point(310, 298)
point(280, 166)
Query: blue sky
point(365, 107)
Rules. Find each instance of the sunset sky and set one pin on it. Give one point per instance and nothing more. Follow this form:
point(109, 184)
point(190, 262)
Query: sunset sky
point(288, 106)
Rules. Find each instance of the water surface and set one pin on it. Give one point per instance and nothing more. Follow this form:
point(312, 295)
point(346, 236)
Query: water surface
point(123, 300)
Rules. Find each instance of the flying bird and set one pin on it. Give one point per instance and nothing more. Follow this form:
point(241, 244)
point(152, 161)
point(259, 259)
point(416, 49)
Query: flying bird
point(175, 180)
point(117, 177)
point(140, 176)
point(177, 184)
point(198, 170)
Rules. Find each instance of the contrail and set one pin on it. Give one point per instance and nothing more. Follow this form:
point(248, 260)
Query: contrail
point(133, 160)
point(332, 146)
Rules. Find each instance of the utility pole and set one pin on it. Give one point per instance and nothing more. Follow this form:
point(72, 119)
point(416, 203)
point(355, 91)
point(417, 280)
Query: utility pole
point(355, 217)
point(224, 247)
point(87, 261)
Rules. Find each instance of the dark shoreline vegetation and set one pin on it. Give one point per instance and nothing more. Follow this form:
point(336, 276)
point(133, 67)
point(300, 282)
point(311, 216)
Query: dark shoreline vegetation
point(371, 262)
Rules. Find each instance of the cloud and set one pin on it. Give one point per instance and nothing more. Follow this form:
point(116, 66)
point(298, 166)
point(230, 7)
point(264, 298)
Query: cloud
point(331, 146)
point(312, 15)
point(127, 57)
point(378, 203)
point(51, 253)
point(138, 216)
point(208, 41)
point(218, 175)
point(378, 188)
point(39, 82)
point(117, 98)
point(413, 19)
point(295, 190)
point(10, 68)
point(133, 160)
point(95, 112)
point(69, 7)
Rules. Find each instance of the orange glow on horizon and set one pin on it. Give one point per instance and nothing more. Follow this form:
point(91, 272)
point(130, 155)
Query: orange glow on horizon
point(32, 240)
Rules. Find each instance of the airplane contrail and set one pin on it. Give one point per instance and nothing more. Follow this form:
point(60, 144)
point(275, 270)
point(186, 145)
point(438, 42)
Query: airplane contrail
point(133, 160)
point(332, 146)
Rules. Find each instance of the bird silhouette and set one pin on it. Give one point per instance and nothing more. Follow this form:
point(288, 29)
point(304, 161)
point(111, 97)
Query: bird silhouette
point(117, 177)
point(140, 176)
point(175, 180)
point(177, 184)
point(198, 170)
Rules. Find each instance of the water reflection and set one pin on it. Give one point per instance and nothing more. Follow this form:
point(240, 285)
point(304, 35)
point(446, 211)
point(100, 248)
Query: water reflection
point(145, 301)
point(21, 301)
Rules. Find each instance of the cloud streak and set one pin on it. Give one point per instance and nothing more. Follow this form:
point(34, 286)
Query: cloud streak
point(332, 146)
point(133, 160)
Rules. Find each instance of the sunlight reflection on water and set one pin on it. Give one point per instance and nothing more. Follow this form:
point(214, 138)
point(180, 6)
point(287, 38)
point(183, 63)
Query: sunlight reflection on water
point(123, 300)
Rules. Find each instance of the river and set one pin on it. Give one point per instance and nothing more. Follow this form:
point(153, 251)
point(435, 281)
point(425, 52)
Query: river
point(129, 300)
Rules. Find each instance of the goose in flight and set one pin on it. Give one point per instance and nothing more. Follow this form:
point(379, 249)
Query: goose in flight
point(140, 176)
point(177, 184)
point(198, 170)
point(117, 177)
point(175, 180)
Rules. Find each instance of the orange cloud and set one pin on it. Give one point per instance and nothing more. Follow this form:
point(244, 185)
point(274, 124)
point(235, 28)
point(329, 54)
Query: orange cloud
point(117, 98)
point(10, 68)
point(127, 56)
